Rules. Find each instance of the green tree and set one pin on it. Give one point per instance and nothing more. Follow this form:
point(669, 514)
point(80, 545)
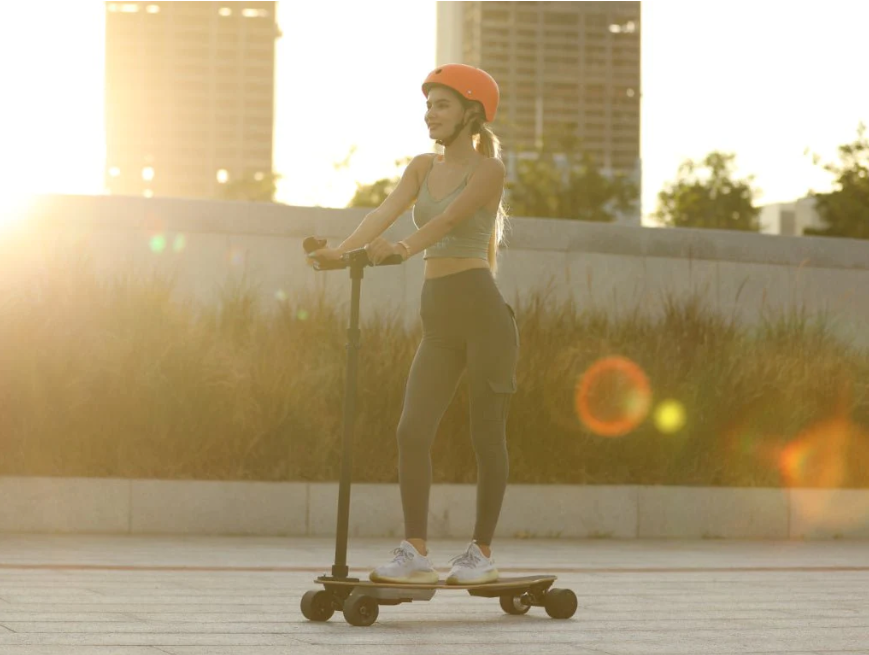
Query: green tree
point(714, 200)
point(844, 211)
point(372, 195)
point(562, 181)
point(258, 187)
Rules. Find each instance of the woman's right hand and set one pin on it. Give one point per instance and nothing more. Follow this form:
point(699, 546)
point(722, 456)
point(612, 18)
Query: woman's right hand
point(324, 256)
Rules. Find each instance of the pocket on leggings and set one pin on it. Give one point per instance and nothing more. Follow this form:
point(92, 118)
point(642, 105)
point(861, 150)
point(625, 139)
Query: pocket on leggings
point(506, 382)
point(504, 386)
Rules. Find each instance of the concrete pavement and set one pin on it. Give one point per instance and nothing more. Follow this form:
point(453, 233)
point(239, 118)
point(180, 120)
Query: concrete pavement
point(124, 595)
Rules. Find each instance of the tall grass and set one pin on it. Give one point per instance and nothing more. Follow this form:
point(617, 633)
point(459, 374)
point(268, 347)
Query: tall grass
point(119, 378)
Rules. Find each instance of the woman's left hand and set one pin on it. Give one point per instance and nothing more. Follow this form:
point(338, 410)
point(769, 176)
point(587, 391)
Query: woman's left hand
point(379, 249)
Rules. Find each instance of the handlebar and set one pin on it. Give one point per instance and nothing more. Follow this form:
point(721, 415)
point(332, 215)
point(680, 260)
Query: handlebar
point(358, 258)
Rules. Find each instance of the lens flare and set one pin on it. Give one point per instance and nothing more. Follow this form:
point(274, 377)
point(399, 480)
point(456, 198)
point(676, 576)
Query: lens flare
point(179, 243)
point(158, 243)
point(613, 396)
point(302, 315)
point(670, 416)
point(236, 256)
point(817, 457)
point(281, 295)
point(821, 462)
point(817, 464)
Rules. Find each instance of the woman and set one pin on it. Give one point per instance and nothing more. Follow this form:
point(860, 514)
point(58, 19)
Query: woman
point(466, 322)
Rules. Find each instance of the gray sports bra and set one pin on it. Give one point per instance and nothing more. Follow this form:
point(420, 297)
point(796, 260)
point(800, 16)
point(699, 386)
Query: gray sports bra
point(470, 238)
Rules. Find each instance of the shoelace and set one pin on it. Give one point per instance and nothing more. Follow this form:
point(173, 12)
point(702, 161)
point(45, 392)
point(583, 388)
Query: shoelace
point(401, 555)
point(468, 558)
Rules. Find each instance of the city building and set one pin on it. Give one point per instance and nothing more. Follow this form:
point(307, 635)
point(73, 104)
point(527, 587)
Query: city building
point(789, 218)
point(571, 66)
point(189, 99)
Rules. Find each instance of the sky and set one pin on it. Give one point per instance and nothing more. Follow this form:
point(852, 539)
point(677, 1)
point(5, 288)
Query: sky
point(761, 80)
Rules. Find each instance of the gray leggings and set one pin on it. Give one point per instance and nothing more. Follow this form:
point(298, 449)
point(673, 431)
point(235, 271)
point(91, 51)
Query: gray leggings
point(466, 323)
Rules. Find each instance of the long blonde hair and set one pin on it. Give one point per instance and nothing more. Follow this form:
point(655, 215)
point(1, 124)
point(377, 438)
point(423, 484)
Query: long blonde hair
point(489, 145)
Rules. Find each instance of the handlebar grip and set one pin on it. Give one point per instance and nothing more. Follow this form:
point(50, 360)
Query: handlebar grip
point(330, 266)
point(358, 257)
point(392, 260)
point(313, 243)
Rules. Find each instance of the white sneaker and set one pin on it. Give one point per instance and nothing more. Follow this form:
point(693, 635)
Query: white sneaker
point(407, 566)
point(472, 567)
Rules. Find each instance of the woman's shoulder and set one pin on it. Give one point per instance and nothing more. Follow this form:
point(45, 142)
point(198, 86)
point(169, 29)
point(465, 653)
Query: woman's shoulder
point(492, 167)
point(420, 164)
point(494, 164)
point(425, 158)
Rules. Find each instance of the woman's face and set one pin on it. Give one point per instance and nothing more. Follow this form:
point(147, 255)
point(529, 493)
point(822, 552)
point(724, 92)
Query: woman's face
point(444, 111)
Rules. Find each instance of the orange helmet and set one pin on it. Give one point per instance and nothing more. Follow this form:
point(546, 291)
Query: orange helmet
point(470, 82)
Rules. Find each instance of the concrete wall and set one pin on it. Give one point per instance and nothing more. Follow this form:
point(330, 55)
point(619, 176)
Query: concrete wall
point(115, 506)
point(615, 267)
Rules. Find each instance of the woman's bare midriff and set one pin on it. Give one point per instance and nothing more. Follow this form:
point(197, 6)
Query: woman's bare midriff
point(441, 266)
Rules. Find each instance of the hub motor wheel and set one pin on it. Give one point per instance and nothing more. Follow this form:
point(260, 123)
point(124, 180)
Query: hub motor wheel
point(514, 605)
point(560, 603)
point(361, 610)
point(317, 606)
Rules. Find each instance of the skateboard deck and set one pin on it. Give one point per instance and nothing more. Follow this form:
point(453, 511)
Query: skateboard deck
point(499, 584)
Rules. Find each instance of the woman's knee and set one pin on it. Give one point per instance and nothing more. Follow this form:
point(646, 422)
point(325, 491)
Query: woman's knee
point(489, 435)
point(412, 436)
point(490, 402)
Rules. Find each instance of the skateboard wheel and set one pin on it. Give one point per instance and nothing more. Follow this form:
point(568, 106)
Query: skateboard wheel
point(514, 605)
point(317, 606)
point(560, 603)
point(361, 610)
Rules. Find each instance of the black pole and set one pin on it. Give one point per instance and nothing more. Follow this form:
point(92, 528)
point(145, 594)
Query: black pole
point(340, 568)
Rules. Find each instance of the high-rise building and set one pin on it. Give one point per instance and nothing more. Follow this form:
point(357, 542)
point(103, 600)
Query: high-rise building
point(189, 95)
point(571, 66)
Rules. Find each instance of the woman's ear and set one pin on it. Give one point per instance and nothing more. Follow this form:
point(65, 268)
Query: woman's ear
point(476, 122)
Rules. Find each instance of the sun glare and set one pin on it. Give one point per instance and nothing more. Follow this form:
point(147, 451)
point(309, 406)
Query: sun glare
point(54, 133)
point(13, 208)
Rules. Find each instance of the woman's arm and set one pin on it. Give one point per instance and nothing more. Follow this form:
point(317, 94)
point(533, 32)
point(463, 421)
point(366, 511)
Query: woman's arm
point(486, 183)
point(376, 222)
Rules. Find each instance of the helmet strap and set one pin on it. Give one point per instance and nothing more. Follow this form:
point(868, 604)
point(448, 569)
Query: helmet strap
point(449, 140)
